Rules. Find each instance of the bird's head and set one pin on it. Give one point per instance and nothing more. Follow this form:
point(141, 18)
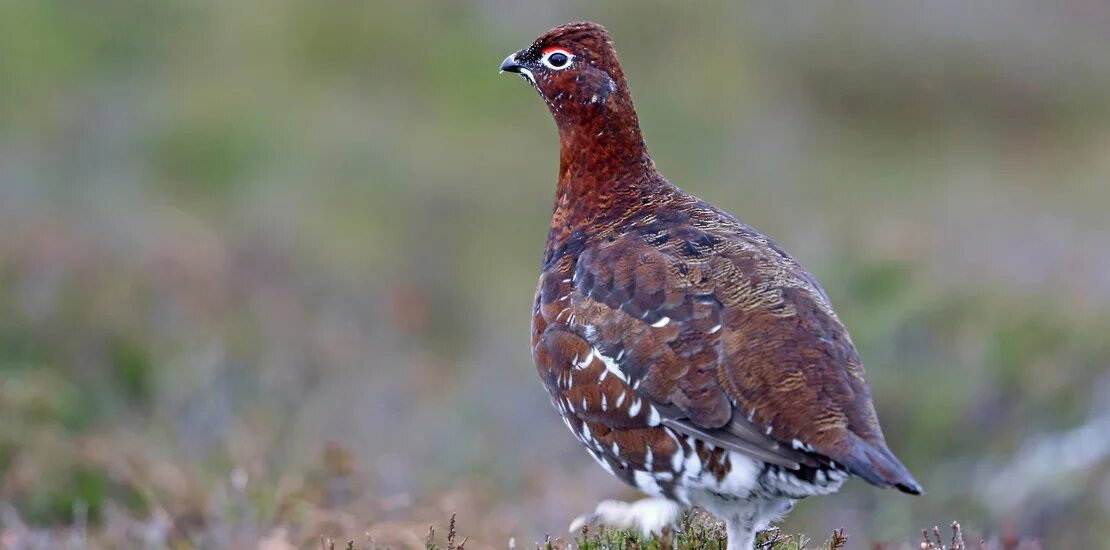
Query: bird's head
point(575, 69)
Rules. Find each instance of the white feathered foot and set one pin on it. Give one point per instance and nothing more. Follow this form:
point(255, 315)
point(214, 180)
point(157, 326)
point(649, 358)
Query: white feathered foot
point(648, 516)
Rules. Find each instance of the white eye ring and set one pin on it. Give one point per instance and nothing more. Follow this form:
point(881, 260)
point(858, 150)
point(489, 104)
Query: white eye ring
point(546, 59)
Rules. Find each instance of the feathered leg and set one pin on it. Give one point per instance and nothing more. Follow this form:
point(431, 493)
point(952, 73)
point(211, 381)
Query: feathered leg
point(741, 532)
point(649, 515)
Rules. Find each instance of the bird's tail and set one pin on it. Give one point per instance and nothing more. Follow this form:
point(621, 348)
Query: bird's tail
point(878, 466)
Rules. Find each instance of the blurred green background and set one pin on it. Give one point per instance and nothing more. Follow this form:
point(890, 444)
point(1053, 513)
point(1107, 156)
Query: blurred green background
point(266, 267)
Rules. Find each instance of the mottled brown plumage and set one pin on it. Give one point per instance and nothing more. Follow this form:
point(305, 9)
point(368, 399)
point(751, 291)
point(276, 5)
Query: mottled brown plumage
point(692, 356)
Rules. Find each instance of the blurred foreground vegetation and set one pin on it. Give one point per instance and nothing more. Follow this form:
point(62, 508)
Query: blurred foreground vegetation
point(266, 267)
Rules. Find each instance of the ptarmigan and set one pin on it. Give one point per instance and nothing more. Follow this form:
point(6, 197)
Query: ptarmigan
point(690, 354)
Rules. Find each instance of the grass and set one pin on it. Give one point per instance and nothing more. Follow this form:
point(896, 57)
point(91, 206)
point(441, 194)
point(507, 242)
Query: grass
point(698, 531)
point(326, 511)
point(695, 530)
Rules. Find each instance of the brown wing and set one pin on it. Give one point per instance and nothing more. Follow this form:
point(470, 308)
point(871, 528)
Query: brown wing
point(729, 339)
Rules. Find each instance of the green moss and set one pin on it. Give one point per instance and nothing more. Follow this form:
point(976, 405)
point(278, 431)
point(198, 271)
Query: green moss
point(208, 155)
point(7, 455)
point(132, 369)
point(59, 499)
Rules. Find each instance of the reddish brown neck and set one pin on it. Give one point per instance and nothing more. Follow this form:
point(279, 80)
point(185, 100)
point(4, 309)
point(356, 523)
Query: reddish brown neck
point(604, 167)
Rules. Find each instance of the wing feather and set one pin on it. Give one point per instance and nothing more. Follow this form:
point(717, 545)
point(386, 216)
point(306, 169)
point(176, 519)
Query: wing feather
point(731, 341)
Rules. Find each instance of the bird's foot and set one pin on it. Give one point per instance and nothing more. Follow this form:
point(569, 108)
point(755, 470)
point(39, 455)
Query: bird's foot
point(649, 515)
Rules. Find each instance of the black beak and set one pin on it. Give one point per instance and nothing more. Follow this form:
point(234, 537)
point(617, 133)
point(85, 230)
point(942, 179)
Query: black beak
point(510, 64)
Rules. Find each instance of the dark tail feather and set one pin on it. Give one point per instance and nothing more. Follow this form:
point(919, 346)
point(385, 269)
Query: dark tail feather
point(879, 467)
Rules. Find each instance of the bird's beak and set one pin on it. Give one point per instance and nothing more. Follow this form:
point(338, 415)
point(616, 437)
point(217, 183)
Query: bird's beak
point(510, 64)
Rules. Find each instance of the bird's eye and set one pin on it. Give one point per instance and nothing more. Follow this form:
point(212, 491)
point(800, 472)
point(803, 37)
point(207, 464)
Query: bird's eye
point(557, 58)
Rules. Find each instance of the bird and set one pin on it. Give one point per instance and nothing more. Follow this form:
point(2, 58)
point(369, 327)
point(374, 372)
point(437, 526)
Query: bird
point(692, 356)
